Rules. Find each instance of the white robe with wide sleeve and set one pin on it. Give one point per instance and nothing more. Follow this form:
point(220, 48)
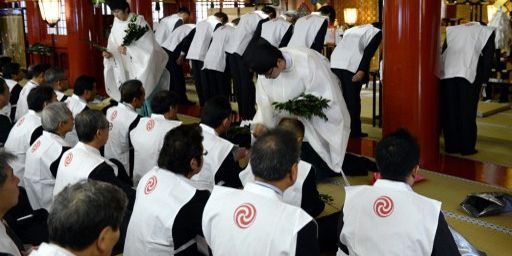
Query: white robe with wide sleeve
point(310, 73)
point(145, 60)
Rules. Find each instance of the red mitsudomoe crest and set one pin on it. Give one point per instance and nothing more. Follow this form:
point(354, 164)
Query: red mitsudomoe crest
point(244, 215)
point(150, 125)
point(150, 185)
point(68, 159)
point(383, 206)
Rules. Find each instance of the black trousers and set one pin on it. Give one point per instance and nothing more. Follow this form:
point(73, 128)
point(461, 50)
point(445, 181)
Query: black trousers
point(218, 83)
point(199, 79)
point(177, 83)
point(351, 94)
point(459, 103)
point(244, 86)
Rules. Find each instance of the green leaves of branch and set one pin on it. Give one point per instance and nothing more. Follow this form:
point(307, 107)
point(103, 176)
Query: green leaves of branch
point(40, 49)
point(134, 31)
point(304, 105)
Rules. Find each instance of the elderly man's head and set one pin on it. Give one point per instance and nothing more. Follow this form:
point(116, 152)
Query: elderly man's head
point(86, 217)
point(57, 79)
point(57, 118)
point(8, 183)
point(92, 127)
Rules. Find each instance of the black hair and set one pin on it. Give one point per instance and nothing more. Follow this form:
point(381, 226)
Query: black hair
point(269, 10)
point(88, 122)
point(377, 24)
point(118, 5)
point(328, 10)
point(235, 21)
point(292, 124)
point(181, 145)
point(130, 90)
point(83, 83)
point(38, 96)
point(38, 69)
point(2, 87)
point(261, 56)
point(215, 110)
point(6, 158)
point(273, 154)
point(396, 155)
point(222, 16)
point(4, 60)
point(184, 10)
point(163, 101)
point(11, 70)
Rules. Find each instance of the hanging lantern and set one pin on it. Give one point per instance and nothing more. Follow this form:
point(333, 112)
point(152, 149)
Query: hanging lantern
point(350, 15)
point(50, 11)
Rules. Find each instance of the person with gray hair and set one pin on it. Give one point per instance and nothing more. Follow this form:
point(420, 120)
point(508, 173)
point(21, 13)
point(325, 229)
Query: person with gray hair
point(57, 79)
point(229, 224)
point(9, 193)
point(84, 159)
point(86, 219)
point(44, 156)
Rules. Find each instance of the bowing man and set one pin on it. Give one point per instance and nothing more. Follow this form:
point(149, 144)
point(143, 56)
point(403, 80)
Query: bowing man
point(5, 112)
point(28, 128)
point(255, 219)
point(167, 216)
point(277, 31)
point(84, 160)
point(170, 23)
point(198, 48)
point(287, 73)
point(221, 164)
point(465, 65)
point(148, 136)
point(44, 155)
point(350, 62)
point(12, 75)
point(215, 61)
point(242, 77)
point(37, 79)
point(124, 119)
point(141, 59)
point(309, 31)
point(57, 79)
point(389, 216)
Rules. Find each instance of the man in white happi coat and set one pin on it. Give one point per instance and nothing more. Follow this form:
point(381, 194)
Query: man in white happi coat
point(84, 160)
point(28, 128)
point(168, 211)
point(12, 75)
point(215, 61)
point(221, 164)
point(277, 31)
point(57, 79)
point(83, 93)
point(141, 59)
point(285, 74)
point(350, 62)
point(309, 31)
point(465, 65)
point(255, 220)
point(43, 157)
point(148, 136)
point(37, 79)
point(167, 25)
point(389, 216)
point(242, 77)
point(85, 220)
point(124, 119)
point(198, 48)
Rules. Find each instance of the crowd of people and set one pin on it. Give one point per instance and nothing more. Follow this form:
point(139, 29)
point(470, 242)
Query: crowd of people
point(134, 179)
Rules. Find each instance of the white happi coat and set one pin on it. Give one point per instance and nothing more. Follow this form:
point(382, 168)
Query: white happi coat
point(6, 243)
point(177, 36)
point(215, 58)
point(145, 60)
point(6, 111)
point(252, 221)
point(218, 149)
point(147, 140)
point(243, 33)
point(60, 95)
point(19, 141)
point(76, 105)
point(38, 179)
point(50, 250)
point(118, 144)
point(22, 105)
point(373, 214)
point(165, 28)
point(202, 38)
point(274, 30)
point(464, 46)
point(160, 196)
point(308, 73)
point(305, 30)
point(293, 194)
point(77, 164)
point(349, 52)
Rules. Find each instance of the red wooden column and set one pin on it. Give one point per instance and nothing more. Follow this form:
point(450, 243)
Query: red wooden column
point(411, 89)
point(83, 59)
point(142, 7)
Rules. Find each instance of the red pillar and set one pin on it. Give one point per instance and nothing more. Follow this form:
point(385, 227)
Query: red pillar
point(142, 7)
point(411, 88)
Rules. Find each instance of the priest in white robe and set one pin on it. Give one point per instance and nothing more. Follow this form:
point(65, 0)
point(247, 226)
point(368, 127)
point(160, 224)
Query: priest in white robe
point(141, 59)
point(287, 73)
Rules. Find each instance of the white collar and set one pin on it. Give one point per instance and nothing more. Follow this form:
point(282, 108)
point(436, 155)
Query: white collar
point(33, 82)
point(397, 185)
point(88, 148)
point(32, 112)
point(158, 116)
point(57, 138)
point(6, 111)
point(208, 129)
point(128, 106)
point(76, 97)
point(54, 250)
point(264, 189)
point(289, 61)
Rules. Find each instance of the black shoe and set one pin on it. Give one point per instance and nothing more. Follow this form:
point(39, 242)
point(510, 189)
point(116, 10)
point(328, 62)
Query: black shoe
point(358, 135)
